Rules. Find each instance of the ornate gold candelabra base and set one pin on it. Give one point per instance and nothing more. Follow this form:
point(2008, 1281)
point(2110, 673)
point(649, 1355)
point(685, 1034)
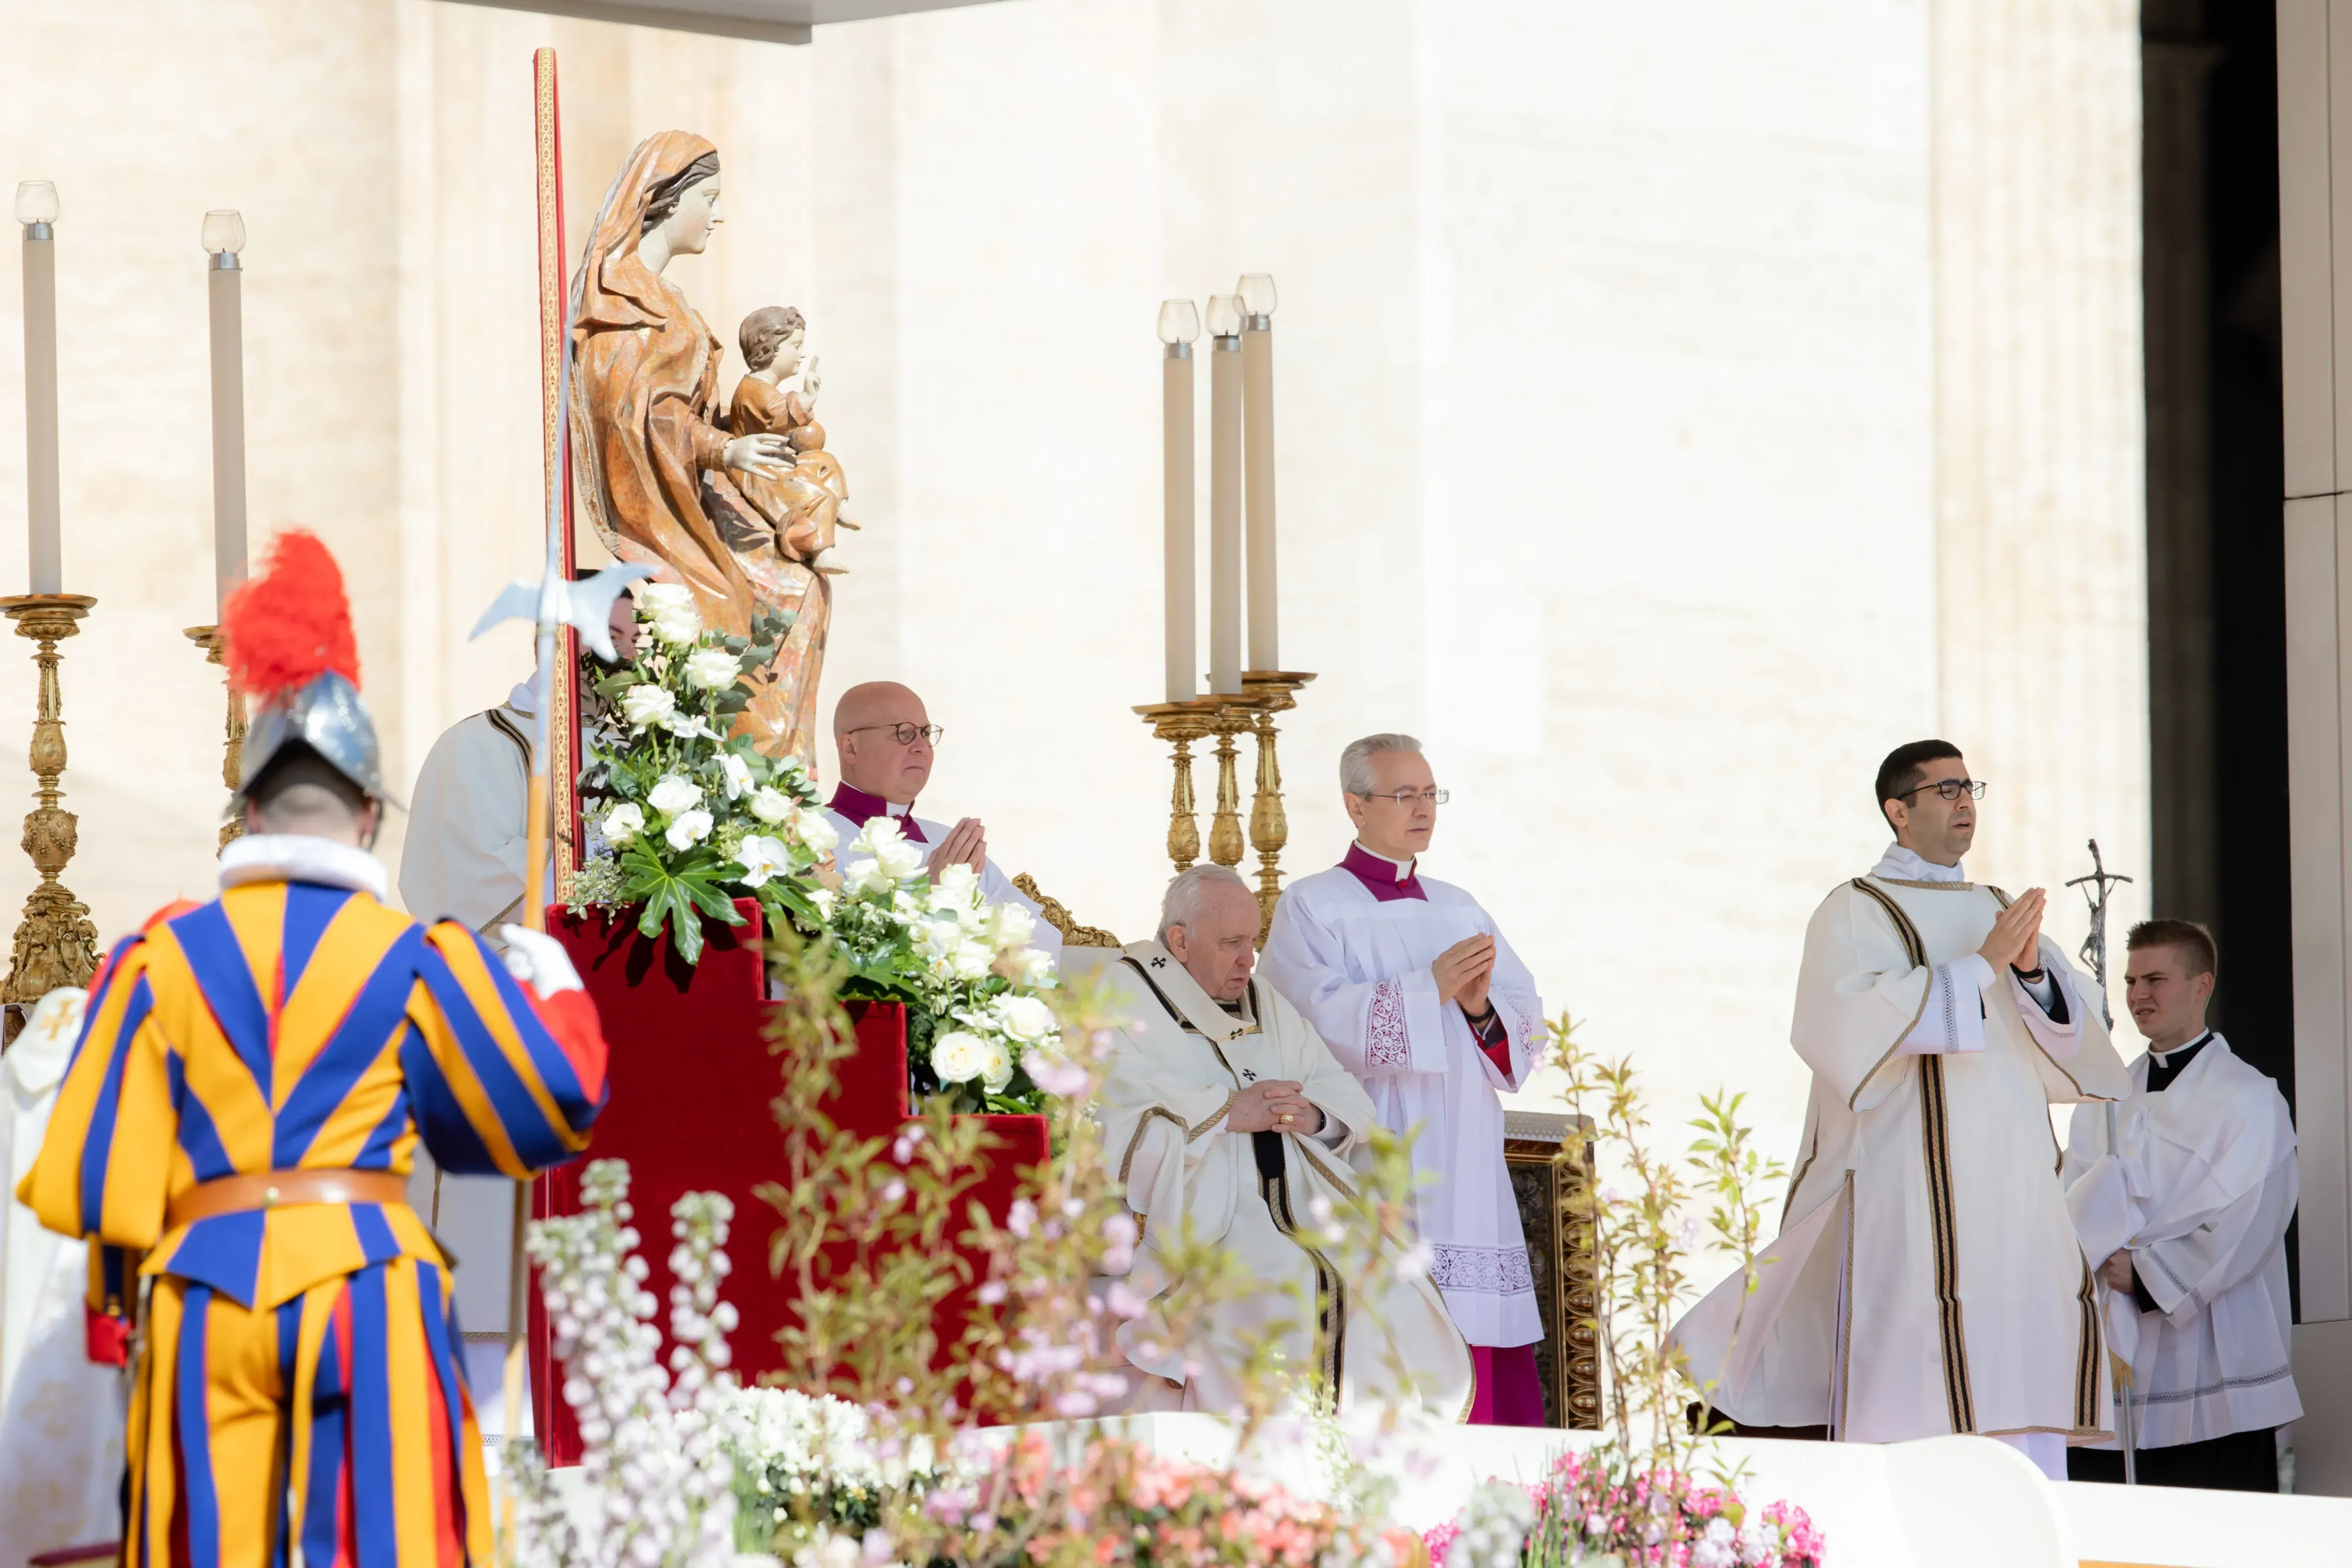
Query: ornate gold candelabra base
point(1180, 724)
point(1265, 693)
point(56, 943)
point(1270, 692)
point(208, 638)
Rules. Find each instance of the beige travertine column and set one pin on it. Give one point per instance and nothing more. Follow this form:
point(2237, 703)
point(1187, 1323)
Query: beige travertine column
point(2040, 545)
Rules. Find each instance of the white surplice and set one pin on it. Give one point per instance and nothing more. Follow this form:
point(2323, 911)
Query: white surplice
point(463, 859)
point(994, 886)
point(1180, 1066)
point(2199, 1185)
point(1927, 1277)
point(1358, 968)
point(61, 1417)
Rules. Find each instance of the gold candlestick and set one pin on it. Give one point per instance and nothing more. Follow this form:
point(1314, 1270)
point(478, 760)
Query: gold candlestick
point(56, 943)
point(1182, 724)
point(1270, 692)
point(1232, 717)
point(208, 638)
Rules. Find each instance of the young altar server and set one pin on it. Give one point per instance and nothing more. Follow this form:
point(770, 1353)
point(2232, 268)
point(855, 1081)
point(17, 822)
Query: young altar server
point(251, 1085)
point(463, 858)
point(2188, 1211)
point(1226, 1111)
point(883, 737)
point(1927, 1278)
point(1419, 996)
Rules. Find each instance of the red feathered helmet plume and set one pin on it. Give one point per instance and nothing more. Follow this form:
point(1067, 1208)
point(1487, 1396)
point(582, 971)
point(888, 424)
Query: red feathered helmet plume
point(287, 639)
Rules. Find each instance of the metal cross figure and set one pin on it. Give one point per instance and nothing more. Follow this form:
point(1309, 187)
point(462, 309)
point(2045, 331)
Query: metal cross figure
point(2098, 888)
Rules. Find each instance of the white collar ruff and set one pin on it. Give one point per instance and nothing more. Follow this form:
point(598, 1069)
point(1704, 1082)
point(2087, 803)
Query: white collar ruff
point(1902, 865)
point(298, 857)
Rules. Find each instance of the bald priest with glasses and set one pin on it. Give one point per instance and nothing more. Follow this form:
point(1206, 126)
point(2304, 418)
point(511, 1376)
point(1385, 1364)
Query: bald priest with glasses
point(1413, 988)
point(883, 737)
point(1927, 1278)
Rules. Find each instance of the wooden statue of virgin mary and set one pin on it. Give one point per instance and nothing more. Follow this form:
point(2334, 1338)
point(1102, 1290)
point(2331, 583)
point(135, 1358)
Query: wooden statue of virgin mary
point(651, 451)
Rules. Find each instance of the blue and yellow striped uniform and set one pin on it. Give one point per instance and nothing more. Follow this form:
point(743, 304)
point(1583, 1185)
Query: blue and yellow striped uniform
point(299, 1377)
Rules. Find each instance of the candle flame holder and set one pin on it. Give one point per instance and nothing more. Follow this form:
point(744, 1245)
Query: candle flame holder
point(208, 638)
point(56, 943)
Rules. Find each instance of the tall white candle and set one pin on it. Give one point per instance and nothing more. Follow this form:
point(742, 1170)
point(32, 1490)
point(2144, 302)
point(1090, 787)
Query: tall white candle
point(1180, 324)
point(37, 209)
point(1256, 289)
point(1224, 495)
point(223, 236)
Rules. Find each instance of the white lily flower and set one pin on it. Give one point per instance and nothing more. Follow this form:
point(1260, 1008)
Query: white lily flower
point(686, 727)
point(815, 830)
point(737, 773)
point(687, 829)
point(763, 857)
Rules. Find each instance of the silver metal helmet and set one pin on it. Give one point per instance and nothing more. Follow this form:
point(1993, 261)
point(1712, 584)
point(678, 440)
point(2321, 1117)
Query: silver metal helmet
point(326, 714)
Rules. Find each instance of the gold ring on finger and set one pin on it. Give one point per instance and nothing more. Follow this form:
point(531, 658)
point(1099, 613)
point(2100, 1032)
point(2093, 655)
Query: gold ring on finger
point(1286, 1118)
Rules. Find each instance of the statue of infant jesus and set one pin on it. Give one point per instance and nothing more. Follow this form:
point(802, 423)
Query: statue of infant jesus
point(804, 503)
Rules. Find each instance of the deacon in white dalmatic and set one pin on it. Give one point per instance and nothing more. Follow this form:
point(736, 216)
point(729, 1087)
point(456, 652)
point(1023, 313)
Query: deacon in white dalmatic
point(2188, 1206)
point(883, 737)
point(1927, 1278)
point(468, 817)
point(1420, 997)
point(1224, 1110)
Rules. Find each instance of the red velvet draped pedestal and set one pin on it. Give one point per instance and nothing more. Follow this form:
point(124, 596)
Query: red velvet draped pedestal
point(692, 1086)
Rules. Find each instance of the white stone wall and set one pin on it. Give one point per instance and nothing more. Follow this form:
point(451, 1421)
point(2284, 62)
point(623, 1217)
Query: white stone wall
point(1679, 405)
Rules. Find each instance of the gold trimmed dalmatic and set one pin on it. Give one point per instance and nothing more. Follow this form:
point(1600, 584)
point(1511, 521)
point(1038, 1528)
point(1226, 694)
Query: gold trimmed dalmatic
point(1181, 1064)
point(1927, 1278)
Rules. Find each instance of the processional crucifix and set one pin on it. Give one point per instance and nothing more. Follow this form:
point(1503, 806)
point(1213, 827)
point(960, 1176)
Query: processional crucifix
point(2098, 888)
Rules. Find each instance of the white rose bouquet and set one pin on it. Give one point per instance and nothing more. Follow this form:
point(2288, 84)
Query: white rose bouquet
point(684, 816)
point(962, 965)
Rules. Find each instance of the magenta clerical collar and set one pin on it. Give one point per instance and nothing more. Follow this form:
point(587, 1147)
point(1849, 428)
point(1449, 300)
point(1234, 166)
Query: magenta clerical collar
point(1383, 877)
point(861, 808)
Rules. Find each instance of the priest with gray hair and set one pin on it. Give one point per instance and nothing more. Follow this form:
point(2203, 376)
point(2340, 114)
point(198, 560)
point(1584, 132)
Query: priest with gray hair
point(1412, 985)
point(1233, 1125)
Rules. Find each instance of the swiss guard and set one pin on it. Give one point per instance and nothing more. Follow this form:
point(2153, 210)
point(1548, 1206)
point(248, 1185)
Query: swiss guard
point(239, 1123)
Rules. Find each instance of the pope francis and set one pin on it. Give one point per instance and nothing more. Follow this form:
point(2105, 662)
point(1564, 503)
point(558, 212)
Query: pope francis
point(1224, 1109)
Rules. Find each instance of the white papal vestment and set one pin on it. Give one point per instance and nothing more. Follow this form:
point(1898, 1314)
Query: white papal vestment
point(1927, 1278)
point(1180, 1066)
point(2199, 1185)
point(1358, 966)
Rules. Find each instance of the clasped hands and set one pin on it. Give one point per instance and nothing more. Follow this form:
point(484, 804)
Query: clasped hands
point(1462, 973)
point(2016, 938)
point(966, 844)
point(1274, 1105)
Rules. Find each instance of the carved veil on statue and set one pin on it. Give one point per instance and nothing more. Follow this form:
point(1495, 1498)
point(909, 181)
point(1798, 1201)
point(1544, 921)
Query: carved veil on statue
point(653, 464)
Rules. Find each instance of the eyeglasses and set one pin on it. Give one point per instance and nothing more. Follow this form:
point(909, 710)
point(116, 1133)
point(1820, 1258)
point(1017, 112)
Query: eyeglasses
point(1409, 798)
point(905, 734)
point(1949, 789)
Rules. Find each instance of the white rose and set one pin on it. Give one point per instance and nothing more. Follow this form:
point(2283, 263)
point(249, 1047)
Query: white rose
point(737, 773)
point(971, 960)
point(959, 1056)
point(673, 795)
point(668, 608)
point(1014, 926)
point(1027, 1019)
point(623, 822)
point(894, 857)
point(763, 857)
point(712, 669)
point(771, 805)
point(997, 1073)
point(817, 830)
point(687, 829)
point(645, 705)
point(957, 890)
point(1037, 970)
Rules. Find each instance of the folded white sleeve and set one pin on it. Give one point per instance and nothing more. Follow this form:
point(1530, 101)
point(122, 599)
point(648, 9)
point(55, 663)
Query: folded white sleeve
point(1952, 1019)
